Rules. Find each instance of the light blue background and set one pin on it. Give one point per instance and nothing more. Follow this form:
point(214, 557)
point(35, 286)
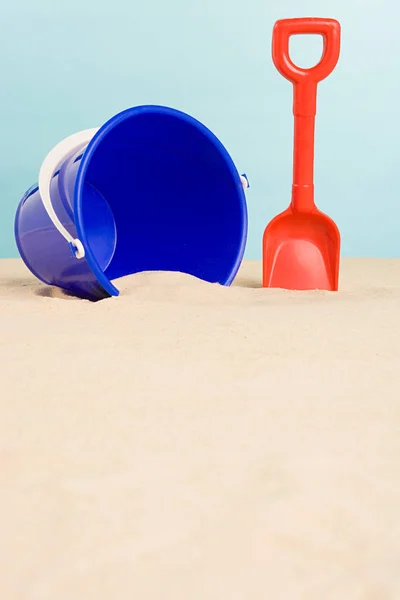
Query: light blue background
point(66, 66)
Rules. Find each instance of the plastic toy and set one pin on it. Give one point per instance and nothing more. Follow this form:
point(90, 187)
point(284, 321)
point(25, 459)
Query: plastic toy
point(301, 246)
point(153, 189)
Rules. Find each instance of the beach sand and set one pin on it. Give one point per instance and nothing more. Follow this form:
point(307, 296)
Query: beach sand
point(186, 441)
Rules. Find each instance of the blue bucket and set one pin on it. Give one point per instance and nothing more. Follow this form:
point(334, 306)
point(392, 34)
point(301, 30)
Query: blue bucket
point(151, 190)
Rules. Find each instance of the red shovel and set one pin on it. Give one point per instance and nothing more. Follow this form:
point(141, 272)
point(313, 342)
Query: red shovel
point(301, 246)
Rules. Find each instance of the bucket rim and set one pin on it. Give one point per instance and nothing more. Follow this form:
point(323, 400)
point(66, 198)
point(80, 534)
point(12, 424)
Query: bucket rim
point(91, 148)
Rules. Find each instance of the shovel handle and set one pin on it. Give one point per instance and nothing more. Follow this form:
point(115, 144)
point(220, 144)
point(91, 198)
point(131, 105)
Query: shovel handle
point(305, 80)
point(329, 29)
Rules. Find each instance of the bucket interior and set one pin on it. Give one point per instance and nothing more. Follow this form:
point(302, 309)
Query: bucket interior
point(170, 198)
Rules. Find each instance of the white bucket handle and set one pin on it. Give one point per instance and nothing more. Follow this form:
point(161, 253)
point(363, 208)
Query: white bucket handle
point(244, 181)
point(46, 173)
point(49, 167)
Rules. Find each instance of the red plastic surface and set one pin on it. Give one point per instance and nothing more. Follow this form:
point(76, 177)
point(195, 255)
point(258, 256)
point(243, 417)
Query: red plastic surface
point(301, 246)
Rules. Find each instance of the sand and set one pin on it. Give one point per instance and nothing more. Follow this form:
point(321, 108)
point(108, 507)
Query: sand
point(191, 442)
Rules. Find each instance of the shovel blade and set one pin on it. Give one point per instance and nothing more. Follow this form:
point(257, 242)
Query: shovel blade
point(301, 252)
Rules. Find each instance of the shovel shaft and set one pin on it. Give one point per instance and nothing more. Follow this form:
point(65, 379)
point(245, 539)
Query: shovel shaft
point(303, 164)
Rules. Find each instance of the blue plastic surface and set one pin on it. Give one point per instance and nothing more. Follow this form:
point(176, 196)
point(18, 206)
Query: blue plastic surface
point(154, 190)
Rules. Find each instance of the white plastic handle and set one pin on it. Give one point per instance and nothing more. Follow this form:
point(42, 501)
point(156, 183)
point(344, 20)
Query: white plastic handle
point(47, 170)
point(245, 182)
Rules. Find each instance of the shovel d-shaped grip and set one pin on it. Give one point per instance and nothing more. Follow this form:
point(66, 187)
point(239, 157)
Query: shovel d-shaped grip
point(305, 80)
